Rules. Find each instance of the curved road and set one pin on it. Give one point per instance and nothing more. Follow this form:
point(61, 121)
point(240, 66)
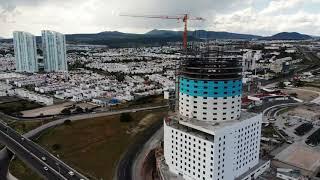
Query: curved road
point(152, 143)
point(125, 166)
point(5, 164)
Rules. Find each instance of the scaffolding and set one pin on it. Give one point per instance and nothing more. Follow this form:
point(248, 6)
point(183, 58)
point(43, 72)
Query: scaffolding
point(211, 63)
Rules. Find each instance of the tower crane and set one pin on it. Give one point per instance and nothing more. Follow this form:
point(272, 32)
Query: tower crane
point(184, 18)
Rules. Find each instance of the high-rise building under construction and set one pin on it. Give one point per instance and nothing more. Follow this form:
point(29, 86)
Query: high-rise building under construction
point(210, 137)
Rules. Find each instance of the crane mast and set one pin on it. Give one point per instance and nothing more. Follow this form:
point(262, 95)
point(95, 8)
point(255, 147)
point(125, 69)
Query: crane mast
point(185, 18)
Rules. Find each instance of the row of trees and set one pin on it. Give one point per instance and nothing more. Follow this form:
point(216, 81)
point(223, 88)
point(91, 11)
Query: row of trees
point(314, 139)
point(303, 129)
point(75, 110)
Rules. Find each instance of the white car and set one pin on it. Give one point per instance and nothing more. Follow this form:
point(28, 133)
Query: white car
point(272, 119)
point(43, 158)
point(45, 168)
point(71, 173)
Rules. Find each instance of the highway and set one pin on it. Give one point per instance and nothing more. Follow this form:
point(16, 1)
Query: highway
point(33, 155)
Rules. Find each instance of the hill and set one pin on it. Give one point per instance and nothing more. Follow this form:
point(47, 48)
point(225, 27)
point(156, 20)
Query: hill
point(223, 35)
point(119, 39)
point(288, 36)
point(202, 34)
point(161, 37)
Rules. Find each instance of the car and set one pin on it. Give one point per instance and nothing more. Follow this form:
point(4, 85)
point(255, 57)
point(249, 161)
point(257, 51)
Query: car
point(71, 173)
point(45, 168)
point(43, 158)
point(272, 119)
point(22, 139)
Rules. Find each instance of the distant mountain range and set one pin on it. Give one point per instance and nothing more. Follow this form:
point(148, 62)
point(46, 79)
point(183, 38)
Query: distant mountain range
point(202, 34)
point(160, 37)
point(288, 36)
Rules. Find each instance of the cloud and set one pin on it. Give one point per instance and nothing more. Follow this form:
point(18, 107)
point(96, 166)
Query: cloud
point(77, 16)
point(282, 6)
point(250, 20)
point(87, 16)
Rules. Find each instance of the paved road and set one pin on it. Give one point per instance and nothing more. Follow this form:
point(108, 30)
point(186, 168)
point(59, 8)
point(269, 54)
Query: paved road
point(40, 129)
point(124, 167)
point(34, 151)
point(273, 112)
point(152, 143)
point(32, 155)
point(5, 158)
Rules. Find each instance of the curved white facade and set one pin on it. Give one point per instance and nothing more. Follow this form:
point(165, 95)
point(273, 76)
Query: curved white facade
point(210, 108)
point(210, 100)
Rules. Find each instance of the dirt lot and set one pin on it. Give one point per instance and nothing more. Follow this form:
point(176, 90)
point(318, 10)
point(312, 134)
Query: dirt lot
point(303, 95)
point(93, 146)
point(306, 112)
point(48, 110)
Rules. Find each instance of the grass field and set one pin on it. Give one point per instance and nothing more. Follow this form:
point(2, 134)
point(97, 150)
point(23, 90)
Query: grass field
point(156, 100)
point(93, 146)
point(21, 171)
point(26, 126)
point(15, 107)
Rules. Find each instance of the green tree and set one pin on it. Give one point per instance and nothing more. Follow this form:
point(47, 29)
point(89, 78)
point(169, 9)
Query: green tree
point(281, 85)
point(79, 109)
point(66, 111)
point(126, 117)
point(56, 147)
point(120, 77)
point(67, 122)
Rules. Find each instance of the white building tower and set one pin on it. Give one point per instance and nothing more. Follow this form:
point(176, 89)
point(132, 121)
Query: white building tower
point(54, 51)
point(25, 52)
point(210, 138)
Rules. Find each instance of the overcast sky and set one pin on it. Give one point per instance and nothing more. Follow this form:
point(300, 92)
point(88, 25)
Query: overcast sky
point(261, 17)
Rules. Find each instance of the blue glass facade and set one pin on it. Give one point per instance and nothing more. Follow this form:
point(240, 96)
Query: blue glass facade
point(207, 88)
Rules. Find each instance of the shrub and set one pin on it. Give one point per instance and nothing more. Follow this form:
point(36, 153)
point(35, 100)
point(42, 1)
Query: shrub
point(125, 117)
point(67, 122)
point(56, 147)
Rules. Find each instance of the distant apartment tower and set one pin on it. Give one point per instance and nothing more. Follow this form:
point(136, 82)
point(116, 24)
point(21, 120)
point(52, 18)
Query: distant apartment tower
point(54, 51)
point(25, 51)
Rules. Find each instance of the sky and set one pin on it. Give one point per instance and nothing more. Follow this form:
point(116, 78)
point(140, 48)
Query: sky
point(260, 17)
